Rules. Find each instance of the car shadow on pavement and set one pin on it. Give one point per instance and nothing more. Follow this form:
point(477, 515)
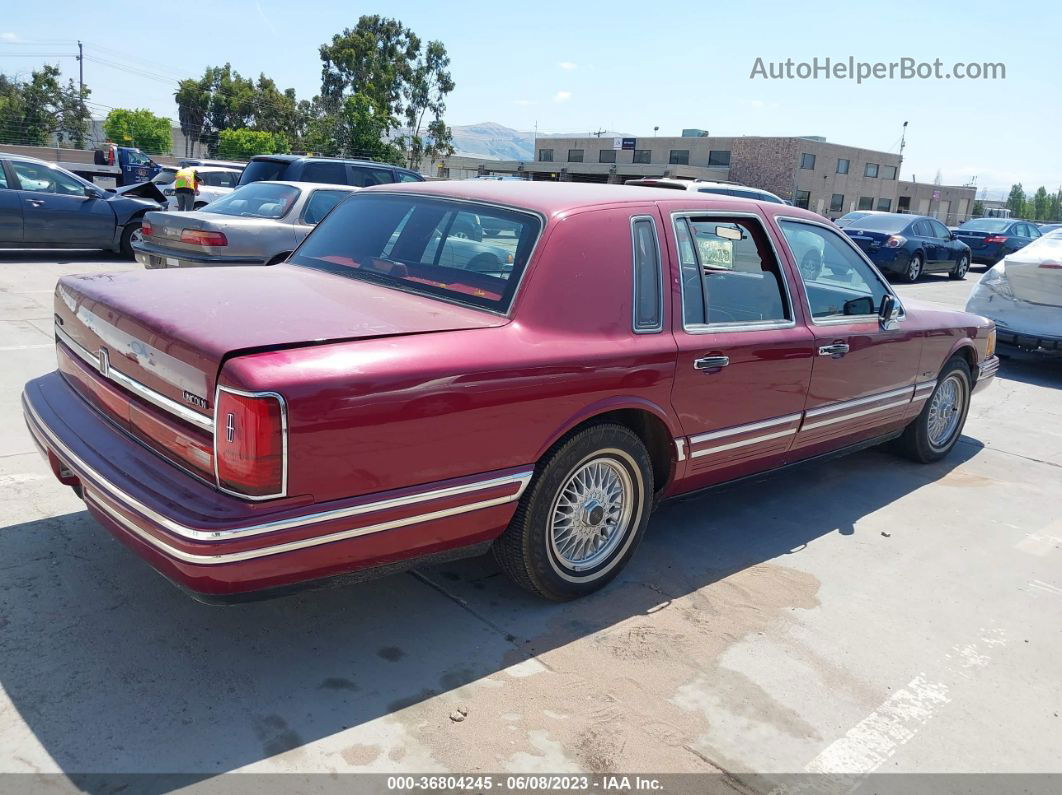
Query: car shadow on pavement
point(1033, 369)
point(114, 670)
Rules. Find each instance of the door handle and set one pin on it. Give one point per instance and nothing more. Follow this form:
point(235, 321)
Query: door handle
point(711, 362)
point(36, 202)
point(836, 349)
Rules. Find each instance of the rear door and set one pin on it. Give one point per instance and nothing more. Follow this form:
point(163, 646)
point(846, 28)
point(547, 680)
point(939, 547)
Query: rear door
point(863, 377)
point(367, 176)
point(56, 210)
point(317, 205)
point(744, 361)
point(10, 209)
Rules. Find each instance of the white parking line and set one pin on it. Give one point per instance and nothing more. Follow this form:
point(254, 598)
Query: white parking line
point(26, 347)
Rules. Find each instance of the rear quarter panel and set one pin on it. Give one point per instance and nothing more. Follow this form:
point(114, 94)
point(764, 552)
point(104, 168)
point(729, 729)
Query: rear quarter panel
point(398, 411)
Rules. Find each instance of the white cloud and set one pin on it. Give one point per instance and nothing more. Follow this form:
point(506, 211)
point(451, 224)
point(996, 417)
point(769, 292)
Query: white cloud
point(568, 66)
point(562, 96)
point(9, 36)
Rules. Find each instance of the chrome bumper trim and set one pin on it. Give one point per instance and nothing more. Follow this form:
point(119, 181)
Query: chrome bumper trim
point(988, 368)
point(134, 386)
point(108, 489)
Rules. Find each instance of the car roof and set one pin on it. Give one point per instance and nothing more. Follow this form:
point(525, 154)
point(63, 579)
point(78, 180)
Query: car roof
point(209, 169)
point(322, 158)
point(304, 185)
point(557, 198)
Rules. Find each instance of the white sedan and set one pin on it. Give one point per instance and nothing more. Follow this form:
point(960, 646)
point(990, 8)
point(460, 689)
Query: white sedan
point(1022, 293)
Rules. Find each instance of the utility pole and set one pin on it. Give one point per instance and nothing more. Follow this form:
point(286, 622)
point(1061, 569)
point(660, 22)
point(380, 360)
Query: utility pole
point(80, 69)
point(903, 143)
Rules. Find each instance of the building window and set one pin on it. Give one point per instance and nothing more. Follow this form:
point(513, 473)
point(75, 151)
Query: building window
point(837, 203)
point(871, 170)
point(802, 198)
point(679, 157)
point(885, 205)
point(888, 172)
point(641, 156)
point(866, 203)
point(606, 156)
point(842, 165)
point(545, 154)
point(575, 155)
point(807, 161)
point(719, 157)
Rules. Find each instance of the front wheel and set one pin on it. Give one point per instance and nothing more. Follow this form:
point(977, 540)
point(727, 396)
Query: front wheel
point(962, 267)
point(937, 428)
point(582, 516)
point(130, 235)
point(914, 269)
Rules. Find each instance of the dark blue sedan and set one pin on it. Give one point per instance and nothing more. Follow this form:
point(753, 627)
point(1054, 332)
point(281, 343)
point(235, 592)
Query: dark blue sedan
point(906, 246)
point(992, 239)
point(44, 206)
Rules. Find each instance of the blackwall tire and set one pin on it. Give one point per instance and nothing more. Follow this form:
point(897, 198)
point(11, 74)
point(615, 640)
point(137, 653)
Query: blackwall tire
point(582, 516)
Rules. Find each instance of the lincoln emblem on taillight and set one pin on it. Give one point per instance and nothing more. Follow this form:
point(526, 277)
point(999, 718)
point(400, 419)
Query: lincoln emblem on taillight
point(105, 362)
point(230, 427)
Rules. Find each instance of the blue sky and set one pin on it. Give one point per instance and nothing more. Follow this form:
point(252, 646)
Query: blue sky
point(577, 67)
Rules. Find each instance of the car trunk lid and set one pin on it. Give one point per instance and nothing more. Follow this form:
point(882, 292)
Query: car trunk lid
point(1037, 281)
point(974, 239)
point(171, 331)
point(866, 239)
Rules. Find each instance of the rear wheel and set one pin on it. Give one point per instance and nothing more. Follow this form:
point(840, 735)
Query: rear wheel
point(914, 269)
point(131, 234)
point(962, 267)
point(582, 516)
point(938, 427)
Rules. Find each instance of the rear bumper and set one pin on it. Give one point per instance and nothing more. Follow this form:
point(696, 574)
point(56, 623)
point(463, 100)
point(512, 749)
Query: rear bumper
point(220, 546)
point(1040, 343)
point(151, 257)
point(986, 256)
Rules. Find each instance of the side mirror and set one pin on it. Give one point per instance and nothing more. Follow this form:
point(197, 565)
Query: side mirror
point(93, 192)
point(952, 236)
point(887, 310)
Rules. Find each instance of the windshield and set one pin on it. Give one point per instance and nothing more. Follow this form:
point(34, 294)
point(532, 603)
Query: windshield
point(259, 170)
point(165, 177)
point(881, 223)
point(258, 200)
point(430, 246)
point(986, 225)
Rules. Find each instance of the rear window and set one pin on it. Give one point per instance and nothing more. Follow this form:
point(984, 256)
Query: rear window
point(260, 170)
point(986, 225)
point(434, 247)
point(258, 200)
point(881, 223)
point(165, 177)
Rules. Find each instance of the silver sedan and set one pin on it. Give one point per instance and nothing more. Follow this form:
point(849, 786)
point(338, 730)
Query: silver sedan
point(257, 224)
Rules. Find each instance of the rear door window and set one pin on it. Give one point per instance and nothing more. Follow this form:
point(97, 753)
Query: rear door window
point(320, 203)
point(259, 170)
point(730, 275)
point(332, 172)
point(364, 176)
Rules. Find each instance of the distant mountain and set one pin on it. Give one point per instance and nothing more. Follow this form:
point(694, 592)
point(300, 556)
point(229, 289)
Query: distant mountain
point(492, 140)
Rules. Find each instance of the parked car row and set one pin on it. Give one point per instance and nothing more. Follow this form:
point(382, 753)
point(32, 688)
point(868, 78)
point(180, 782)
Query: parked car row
point(377, 400)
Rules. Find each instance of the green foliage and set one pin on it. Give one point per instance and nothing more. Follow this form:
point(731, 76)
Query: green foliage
point(34, 110)
point(1039, 204)
point(1054, 207)
point(978, 210)
point(140, 128)
point(243, 144)
point(425, 94)
point(1016, 201)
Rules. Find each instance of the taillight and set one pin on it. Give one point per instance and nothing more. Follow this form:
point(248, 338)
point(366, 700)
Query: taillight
point(146, 230)
point(993, 239)
point(249, 443)
point(203, 237)
point(895, 241)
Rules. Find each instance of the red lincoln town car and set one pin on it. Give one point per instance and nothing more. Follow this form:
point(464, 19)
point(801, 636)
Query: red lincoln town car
point(401, 391)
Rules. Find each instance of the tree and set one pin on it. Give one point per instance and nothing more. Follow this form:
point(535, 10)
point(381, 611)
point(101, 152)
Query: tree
point(140, 128)
point(1054, 207)
point(1040, 204)
point(193, 103)
point(425, 95)
point(978, 210)
point(244, 144)
point(1016, 201)
point(374, 59)
point(32, 111)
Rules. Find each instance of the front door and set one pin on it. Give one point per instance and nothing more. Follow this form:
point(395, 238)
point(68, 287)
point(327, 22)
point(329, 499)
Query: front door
point(863, 379)
point(744, 363)
point(56, 210)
